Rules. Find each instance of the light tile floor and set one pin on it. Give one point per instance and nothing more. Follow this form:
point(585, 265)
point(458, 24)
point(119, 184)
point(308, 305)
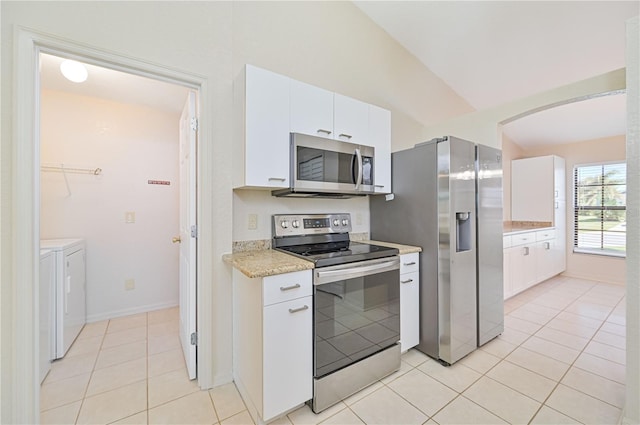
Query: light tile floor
point(560, 360)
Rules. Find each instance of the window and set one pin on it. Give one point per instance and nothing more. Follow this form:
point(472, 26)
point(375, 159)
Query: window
point(600, 216)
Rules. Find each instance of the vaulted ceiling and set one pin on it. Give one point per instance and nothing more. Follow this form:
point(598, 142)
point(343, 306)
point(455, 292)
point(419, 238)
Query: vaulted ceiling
point(493, 52)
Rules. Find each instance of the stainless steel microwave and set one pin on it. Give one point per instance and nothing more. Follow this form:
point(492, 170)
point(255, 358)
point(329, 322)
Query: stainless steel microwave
point(323, 167)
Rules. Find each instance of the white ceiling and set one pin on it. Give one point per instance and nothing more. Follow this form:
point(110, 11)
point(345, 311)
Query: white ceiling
point(488, 52)
point(114, 85)
point(492, 52)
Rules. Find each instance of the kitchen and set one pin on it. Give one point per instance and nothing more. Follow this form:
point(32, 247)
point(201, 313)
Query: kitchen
point(251, 27)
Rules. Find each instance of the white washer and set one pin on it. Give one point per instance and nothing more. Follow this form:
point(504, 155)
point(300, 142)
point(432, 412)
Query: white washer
point(47, 298)
point(70, 291)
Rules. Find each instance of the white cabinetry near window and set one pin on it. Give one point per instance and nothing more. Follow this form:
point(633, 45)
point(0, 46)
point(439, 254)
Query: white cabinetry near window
point(530, 257)
point(409, 301)
point(538, 194)
point(273, 342)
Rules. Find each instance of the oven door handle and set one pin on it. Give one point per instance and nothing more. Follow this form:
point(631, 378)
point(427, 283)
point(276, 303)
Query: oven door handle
point(327, 276)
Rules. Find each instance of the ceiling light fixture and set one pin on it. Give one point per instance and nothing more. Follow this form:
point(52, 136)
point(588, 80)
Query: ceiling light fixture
point(73, 71)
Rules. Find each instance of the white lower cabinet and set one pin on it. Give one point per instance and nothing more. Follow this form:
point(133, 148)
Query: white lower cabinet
point(273, 342)
point(409, 301)
point(530, 258)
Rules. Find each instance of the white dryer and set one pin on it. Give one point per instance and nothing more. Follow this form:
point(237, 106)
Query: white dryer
point(47, 305)
point(70, 294)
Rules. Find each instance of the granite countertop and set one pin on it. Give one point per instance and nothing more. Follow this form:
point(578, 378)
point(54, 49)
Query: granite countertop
point(267, 262)
point(404, 249)
point(511, 227)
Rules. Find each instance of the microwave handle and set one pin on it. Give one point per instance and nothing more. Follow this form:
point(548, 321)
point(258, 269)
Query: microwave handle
point(359, 172)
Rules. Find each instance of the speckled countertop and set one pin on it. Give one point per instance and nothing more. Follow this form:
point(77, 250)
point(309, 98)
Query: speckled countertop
point(511, 227)
point(404, 249)
point(267, 262)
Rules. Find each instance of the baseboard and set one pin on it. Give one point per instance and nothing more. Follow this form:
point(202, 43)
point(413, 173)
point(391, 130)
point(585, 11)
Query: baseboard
point(592, 278)
point(129, 311)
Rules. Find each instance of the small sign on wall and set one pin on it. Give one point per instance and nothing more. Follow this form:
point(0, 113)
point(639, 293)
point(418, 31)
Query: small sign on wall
point(160, 182)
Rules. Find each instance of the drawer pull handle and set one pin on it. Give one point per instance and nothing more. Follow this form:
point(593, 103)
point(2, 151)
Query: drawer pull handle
point(322, 130)
point(295, 310)
point(413, 263)
point(288, 288)
point(378, 185)
point(280, 179)
point(406, 281)
point(348, 136)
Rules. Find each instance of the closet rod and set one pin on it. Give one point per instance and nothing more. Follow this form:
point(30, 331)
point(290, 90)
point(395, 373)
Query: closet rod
point(64, 169)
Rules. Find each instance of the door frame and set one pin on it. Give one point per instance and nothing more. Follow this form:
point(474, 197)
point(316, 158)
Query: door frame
point(25, 171)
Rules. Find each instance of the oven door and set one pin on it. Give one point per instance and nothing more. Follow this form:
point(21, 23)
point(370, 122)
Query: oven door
point(330, 166)
point(356, 312)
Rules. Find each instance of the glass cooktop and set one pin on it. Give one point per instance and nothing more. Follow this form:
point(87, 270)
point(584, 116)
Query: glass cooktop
point(333, 253)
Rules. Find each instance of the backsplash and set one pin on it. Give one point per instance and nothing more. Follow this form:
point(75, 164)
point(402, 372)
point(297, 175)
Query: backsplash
point(261, 204)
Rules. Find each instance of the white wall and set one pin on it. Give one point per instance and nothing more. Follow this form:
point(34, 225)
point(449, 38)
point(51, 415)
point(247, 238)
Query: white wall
point(587, 266)
point(131, 144)
point(631, 412)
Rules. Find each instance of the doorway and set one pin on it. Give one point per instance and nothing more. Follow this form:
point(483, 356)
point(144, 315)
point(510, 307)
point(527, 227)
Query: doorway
point(118, 162)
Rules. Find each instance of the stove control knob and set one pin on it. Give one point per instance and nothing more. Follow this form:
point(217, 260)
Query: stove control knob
point(284, 224)
point(345, 222)
point(336, 222)
point(295, 223)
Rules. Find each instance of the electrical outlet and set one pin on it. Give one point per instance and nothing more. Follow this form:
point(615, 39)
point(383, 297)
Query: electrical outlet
point(130, 217)
point(252, 222)
point(129, 284)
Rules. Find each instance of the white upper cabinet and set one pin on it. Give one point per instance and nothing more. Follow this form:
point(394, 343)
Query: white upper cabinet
point(537, 184)
point(262, 99)
point(311, 110)
point(268, 107)
point(350, 120)
point(380, 138)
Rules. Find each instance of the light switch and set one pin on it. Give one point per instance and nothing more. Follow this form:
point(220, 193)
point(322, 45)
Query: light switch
point(130, 217)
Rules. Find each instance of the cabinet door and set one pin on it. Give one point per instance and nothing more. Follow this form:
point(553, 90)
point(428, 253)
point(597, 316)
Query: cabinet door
point(350, 120)
point(380, 139)
point(532, 189)
point(311, 110)
point(266, 129)
point(409, 310)
point(545, 263)
point(287, 356)
point(523, 267)
point(75, 312)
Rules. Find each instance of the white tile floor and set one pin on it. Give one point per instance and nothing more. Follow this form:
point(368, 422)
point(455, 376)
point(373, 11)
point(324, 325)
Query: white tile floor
point(561, 360)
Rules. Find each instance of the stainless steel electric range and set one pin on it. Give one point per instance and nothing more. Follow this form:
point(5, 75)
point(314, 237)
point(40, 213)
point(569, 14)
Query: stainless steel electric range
point(356, 304)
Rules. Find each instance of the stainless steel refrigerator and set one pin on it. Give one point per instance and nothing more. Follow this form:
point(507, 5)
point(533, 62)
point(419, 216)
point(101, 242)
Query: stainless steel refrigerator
point(447, 199)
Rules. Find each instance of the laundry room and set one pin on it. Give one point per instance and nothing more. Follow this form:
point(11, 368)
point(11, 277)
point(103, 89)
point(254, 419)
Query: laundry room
point(109, 156)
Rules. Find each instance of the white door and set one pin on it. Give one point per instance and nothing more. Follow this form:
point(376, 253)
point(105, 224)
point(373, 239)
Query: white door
point(188, 133)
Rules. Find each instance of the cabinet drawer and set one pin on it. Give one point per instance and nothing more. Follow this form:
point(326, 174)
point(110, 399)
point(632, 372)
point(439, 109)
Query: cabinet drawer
point(284, 287)
point(523, 238)
point(506, 242)
point(409, 263)
point(545, 235)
